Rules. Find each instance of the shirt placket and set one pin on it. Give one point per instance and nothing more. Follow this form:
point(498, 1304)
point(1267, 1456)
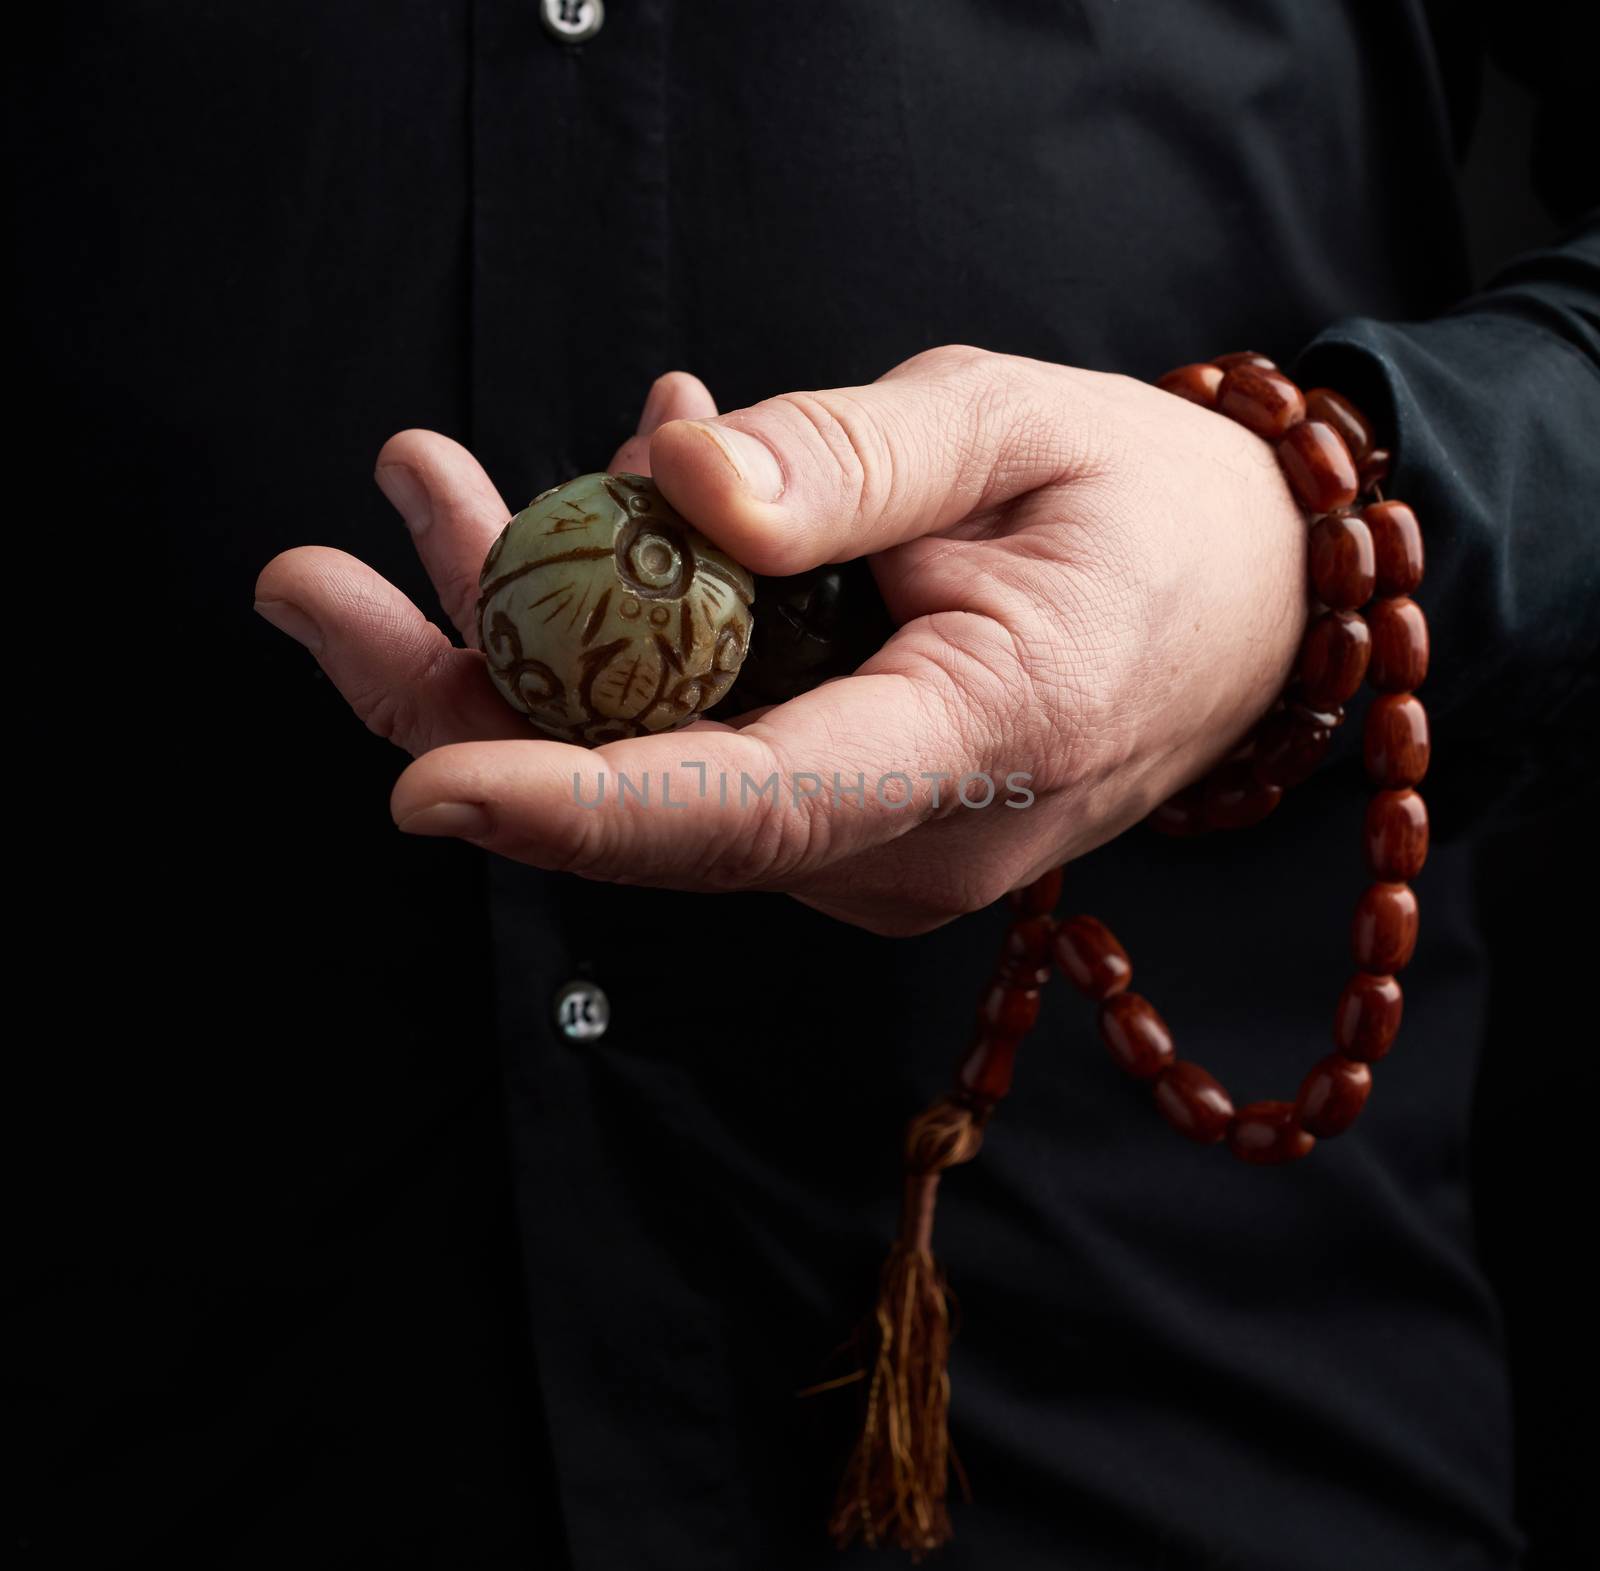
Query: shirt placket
point(570, 320)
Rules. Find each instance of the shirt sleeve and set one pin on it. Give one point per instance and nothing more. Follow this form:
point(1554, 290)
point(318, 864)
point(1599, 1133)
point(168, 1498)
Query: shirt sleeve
point(1492, 411)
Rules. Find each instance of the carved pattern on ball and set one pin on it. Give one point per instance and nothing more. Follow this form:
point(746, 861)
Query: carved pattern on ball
point(604, 615)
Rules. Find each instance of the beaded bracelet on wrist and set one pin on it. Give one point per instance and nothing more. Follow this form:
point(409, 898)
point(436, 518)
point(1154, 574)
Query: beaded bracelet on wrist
point(1365, 563)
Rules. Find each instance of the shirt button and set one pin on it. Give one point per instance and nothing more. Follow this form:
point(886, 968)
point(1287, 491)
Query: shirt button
point(572, 21)
point(582, 1012)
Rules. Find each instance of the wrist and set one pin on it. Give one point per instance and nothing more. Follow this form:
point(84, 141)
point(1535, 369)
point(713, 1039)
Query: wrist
point(1330, 457)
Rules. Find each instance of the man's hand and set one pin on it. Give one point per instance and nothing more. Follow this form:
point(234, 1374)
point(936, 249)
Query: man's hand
point(1098, 586)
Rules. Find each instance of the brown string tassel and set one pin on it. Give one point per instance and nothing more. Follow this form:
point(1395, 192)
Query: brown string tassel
point(895, 1485)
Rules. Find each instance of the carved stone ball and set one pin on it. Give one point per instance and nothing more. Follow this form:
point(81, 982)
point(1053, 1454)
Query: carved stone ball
point(604, 615)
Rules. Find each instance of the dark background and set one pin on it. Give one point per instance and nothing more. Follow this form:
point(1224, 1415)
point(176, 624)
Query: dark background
point(1534, 1150)
point(1532, 1173)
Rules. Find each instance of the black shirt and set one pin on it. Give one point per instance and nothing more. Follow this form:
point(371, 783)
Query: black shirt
point(349, 1258)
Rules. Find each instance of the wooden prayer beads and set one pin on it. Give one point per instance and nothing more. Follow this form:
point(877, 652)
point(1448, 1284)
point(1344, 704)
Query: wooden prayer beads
point(1367, 1017)
point(1091, 958)
point(1262, 400)
point(1396, 835)
point(1318, 467)
point(1334, 658)
point(1364, 567)
point(896, 1481)
point(1135, 1035)
point(1193, 1103)
point(1344, 562)
point(1397, 547)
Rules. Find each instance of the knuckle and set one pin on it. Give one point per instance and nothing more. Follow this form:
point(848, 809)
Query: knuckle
point(389, 712)
point(970, 384)
point(399, 710)
point(949, 360)
point(579, 843)
point(855, 448)
point(999, 417)
point(1044, 424)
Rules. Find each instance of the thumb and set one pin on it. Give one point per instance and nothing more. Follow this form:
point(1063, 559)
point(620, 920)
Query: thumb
point(823, 477)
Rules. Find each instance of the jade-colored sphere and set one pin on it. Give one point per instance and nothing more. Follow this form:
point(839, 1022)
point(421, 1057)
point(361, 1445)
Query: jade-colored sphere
point(604, 615)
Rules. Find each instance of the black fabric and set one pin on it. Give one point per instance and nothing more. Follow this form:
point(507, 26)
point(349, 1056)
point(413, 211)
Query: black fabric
point(338, 1255)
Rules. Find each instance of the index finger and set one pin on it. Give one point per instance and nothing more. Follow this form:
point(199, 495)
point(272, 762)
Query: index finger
point(453, 511)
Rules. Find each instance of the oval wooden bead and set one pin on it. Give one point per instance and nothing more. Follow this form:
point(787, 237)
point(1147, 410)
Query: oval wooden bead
point(1383, 933)
point(1344, 567)
point(1233, 797)
point(1366, 1019)
point(1396, 835)
point(1332, 1096)
point(1267, 1134)
point(1091, 958)
point(1261, 399)
point(1334, 409)
point(1373, 470)
point(1244, 357)
point(1136, 1035)
point(1025, 954)
point(1291, 742)
point(1399, 644)
point(1038, 898)
point(1193, 1102)
point(1397, 545)
point(1318, 466)
point(1333, 658)
point(1180, 816)
point(1395, 742)
point(985, 1073)
point(1008, 1009)
point(1198, 383)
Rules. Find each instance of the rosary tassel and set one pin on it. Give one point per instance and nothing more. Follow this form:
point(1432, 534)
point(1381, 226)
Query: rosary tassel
point(895, 1486)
